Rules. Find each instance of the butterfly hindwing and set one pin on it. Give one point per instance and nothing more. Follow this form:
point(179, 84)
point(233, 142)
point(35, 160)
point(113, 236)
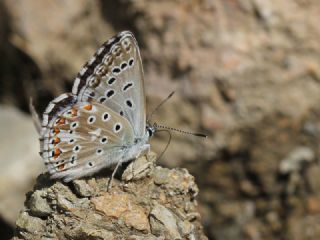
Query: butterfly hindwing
point(114, 77)
point(77, 142)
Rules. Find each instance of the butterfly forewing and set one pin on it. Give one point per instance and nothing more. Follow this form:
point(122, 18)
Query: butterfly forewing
point(114, 77)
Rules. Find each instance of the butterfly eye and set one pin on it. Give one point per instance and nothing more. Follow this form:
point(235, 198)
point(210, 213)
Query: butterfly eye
point(91, 119)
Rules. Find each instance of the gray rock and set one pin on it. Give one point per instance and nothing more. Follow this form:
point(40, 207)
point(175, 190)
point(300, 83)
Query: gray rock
point(164, 223)
point(30, 224)
point(39, 205)
point(140, 168)
point(82, 188)
point(129, 210)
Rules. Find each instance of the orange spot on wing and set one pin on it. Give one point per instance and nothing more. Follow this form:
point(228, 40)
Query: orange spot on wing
point(61, 121)
point(88, 107)
point(61, 167)
point(56, 130)
point(74, 112)
point(57, 153)
point(56, 140)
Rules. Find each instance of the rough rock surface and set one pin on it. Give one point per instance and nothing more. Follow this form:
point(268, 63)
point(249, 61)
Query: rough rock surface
point(156, 203)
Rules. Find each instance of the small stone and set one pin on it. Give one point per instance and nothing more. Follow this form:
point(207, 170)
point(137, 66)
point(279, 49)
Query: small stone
point(140, 168)
point(64, 203)
point(29, 223)
point(137, 219)
point(95, 234)
point(121, 206)
point(39, 205)
point(161, 175)
point(163, 223)
point(82, 188)
point(185, 228)
point(112, 205)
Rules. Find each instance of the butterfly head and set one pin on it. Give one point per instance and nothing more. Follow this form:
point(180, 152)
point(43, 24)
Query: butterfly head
point(151, 129)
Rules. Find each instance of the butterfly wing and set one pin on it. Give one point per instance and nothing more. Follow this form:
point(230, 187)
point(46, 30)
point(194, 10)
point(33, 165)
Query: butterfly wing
point(114, 77)
point(80, 138)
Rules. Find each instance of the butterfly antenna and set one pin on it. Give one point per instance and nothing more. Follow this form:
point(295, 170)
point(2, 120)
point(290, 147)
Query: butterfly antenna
point(35, 116)
point(160, 104)
point(156, 126)
point(168, 143)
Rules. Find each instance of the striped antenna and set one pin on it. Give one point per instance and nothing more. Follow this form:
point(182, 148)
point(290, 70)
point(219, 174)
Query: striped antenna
point(156, 126)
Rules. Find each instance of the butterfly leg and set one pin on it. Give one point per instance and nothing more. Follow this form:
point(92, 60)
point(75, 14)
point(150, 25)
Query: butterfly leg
point(113, 174)
point(148, 148)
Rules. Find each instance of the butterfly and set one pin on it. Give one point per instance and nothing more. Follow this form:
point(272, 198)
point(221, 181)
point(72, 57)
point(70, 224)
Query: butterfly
point(102, 122)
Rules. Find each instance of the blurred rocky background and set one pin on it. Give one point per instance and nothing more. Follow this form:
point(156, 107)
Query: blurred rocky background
point(246, 72)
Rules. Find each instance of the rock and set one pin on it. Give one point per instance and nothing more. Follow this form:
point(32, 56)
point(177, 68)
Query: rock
point(83, 188)
point(39, 205)
point(140, 168)
point(131, 209)
point(161, 176)
point(30, 224)
point(164, 223)
point(121, 206)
